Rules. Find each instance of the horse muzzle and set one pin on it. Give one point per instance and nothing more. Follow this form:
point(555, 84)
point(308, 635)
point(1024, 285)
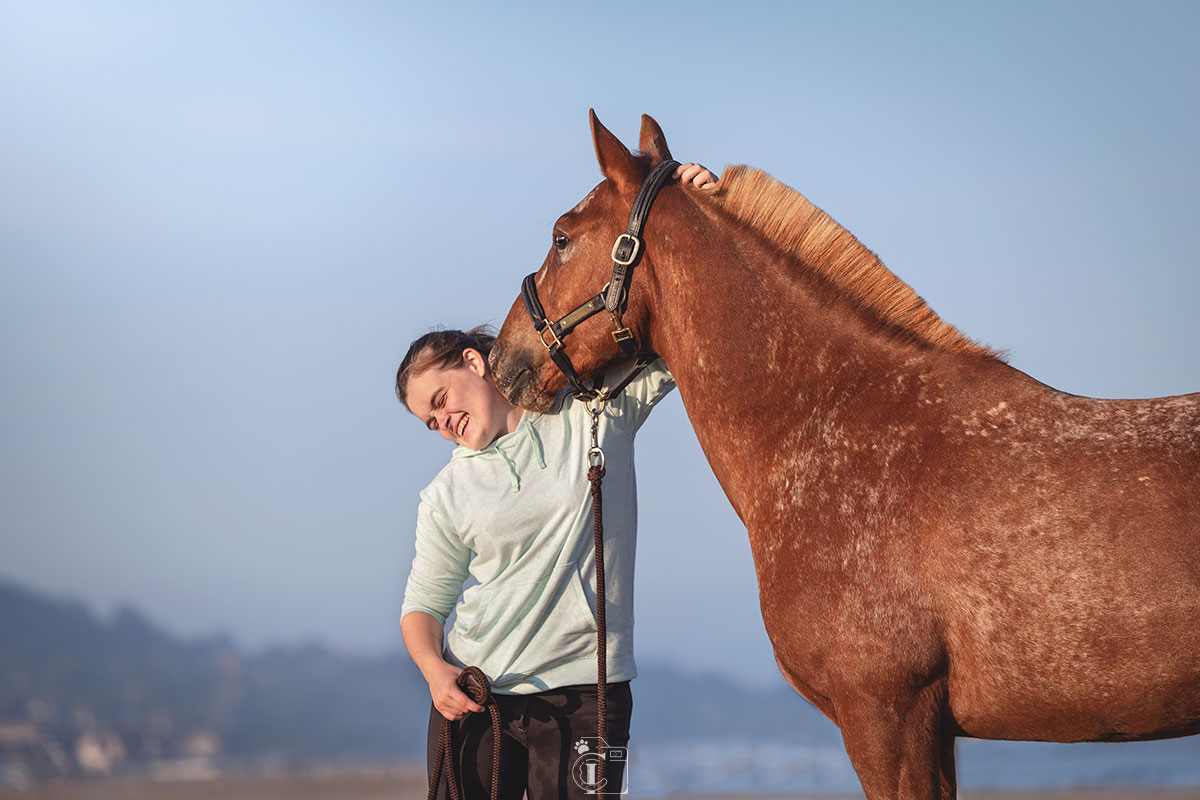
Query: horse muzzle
point(515, 374)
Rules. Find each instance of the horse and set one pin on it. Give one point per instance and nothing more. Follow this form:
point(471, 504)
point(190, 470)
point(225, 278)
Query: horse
point(944, 546)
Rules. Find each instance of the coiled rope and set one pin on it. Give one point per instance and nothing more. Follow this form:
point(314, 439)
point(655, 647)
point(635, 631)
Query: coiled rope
point(472, 681)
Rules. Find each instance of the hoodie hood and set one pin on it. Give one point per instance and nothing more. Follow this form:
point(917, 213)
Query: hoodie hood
point(506, 448)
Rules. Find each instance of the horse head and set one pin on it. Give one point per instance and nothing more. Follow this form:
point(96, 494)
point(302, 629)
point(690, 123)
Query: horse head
point(578, 269)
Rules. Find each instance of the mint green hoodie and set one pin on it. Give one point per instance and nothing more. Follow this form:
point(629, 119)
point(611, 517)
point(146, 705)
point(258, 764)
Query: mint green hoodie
point(517, 517)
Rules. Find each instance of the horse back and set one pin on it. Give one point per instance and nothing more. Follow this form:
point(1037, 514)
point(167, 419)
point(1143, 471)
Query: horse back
point(1069, 567)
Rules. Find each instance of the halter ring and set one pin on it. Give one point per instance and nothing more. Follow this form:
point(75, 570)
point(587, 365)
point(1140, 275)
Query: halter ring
point(601, 400)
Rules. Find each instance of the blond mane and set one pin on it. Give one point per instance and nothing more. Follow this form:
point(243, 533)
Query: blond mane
point(786, 218)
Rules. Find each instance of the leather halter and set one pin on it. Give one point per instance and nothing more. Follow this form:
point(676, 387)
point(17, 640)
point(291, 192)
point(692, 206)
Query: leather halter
point(626, 253)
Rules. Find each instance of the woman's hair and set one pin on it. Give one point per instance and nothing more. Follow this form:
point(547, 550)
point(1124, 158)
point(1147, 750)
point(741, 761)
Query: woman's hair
point(440, 349)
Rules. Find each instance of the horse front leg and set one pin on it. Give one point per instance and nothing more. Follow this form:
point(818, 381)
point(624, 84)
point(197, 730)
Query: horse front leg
point(948, 769)
point(897, 745)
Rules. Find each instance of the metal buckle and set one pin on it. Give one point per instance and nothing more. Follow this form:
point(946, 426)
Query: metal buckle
point(637, 247)
point(622, 335)
point(556, 342)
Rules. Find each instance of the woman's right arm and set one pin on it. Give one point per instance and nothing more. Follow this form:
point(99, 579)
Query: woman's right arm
point(423, 639)
point(434, 584)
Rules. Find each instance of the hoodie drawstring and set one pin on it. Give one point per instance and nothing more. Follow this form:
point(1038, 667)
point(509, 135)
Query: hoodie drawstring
point(539, 452)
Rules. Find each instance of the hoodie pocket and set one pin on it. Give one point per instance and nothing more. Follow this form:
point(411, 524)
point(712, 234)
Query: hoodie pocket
point(557, 603)
point(579, 597)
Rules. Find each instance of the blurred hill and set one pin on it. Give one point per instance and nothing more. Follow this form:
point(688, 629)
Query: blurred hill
point(82, 694)
point(124, 691)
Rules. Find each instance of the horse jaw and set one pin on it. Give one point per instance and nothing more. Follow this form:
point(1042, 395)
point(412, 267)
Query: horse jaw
point(516, 374)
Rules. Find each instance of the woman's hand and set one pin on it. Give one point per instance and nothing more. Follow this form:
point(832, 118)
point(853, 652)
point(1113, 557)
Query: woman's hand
point(448, 699)
point(423, 640)
point(696, 174)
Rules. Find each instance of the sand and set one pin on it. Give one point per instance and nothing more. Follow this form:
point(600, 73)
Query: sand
point(409, 784)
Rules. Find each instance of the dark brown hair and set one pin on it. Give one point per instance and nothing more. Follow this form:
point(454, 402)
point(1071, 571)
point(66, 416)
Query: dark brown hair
point(440, 349)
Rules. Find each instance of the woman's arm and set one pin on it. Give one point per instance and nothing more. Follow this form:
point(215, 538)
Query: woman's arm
point(438, 570)
point(423, 639)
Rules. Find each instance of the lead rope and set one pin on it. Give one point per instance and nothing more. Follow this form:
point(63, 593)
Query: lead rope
point(595, 476)
point(472, 681)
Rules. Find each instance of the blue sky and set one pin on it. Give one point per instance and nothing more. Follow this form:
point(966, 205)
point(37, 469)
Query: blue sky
point(221, 223)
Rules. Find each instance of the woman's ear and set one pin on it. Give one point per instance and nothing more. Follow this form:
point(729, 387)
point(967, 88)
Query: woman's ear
point(475, 361)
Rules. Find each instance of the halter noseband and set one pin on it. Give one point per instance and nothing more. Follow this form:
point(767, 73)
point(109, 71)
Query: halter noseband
point(626, 253)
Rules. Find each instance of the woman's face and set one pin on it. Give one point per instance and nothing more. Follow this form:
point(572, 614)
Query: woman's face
point(461, 403)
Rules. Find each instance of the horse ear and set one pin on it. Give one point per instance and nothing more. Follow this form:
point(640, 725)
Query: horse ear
point(616, 162)
point(652, 140)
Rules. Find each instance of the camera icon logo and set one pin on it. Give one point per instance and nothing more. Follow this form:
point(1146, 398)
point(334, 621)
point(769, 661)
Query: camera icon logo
point(586, 769)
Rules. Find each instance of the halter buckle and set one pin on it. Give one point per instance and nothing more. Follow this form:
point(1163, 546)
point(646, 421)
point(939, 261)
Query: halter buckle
point(554, 340)
point(637, 248)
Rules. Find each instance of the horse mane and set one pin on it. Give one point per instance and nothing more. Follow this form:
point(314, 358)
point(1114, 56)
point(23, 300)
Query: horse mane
point(787, 219)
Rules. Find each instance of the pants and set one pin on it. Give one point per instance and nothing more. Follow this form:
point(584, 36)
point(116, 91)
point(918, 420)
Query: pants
point(541, 745)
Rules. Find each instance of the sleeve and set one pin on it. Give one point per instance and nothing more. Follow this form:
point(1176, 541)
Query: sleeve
point(439, 567)
point(645, 391)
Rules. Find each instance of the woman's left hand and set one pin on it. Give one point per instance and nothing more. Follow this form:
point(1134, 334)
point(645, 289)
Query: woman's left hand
point(697, 175)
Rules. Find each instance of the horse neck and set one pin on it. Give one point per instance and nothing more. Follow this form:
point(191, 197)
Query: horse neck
point(768, 360)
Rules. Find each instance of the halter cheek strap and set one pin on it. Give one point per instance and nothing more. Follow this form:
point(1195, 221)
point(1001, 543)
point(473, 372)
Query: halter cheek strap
point(552, 333)
point(626, 252)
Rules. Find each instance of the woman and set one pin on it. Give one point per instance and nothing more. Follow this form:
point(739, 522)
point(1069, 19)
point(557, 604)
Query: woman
point(512, 510)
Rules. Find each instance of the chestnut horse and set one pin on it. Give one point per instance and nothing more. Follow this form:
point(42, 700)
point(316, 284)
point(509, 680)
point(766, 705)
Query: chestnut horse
point(944, 546)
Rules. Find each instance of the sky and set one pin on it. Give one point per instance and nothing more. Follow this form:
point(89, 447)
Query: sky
point(221, 224)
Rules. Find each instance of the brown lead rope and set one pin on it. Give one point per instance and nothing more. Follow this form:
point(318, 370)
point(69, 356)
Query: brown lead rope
point(472, 681)
point(595, 476)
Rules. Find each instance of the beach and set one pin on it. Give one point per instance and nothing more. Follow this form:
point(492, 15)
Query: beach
point(408, 783)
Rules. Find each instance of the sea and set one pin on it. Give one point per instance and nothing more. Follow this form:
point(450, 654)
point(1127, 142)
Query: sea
point(710, 766)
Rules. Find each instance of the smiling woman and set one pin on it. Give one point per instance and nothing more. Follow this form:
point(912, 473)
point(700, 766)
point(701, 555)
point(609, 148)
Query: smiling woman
point(512, 509)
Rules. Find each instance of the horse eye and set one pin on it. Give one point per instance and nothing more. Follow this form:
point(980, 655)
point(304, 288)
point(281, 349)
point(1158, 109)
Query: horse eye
point(560, 241)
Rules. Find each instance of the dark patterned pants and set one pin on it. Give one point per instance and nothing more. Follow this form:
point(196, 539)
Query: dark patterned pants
point(541, 746)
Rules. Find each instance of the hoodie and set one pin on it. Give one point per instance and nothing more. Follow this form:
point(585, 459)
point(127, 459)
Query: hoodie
point(516, 517)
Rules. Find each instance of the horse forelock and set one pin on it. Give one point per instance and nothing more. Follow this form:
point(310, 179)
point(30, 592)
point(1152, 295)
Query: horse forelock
point(800, 229)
